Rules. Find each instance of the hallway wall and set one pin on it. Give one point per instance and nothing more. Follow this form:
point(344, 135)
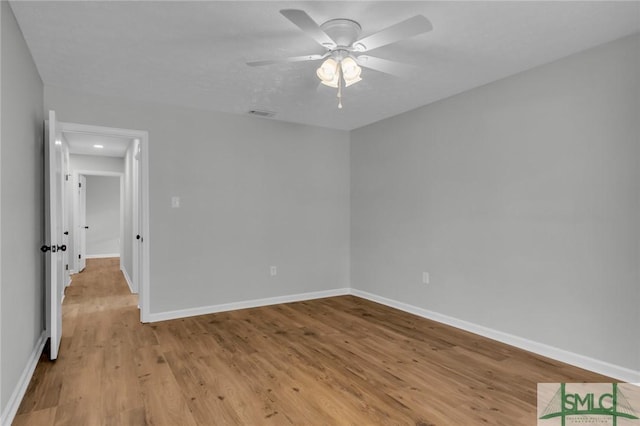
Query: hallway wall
point(21, 212)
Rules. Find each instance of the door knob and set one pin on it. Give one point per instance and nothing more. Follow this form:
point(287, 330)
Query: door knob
point(54, 248)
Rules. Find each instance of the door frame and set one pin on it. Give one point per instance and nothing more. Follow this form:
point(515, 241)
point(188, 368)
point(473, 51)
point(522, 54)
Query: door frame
point(141, 262)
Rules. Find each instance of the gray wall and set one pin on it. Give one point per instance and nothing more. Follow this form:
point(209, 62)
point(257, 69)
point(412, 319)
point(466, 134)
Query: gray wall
point(21, 200)
point(254, 193)
point(103, 215)
point(521, 198)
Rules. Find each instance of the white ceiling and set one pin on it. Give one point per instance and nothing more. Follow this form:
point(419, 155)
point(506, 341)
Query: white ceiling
point(193, 53)
point(83, 144)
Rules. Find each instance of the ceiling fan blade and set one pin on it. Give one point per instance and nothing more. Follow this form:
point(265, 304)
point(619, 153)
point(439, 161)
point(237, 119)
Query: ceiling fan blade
point(286, 60)
point(309, 26)
point(405, 29)
point(388, 67)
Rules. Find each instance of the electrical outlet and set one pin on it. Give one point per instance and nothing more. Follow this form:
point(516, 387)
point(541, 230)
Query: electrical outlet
point(175, 202)
point(425, 278)
point(274, 271)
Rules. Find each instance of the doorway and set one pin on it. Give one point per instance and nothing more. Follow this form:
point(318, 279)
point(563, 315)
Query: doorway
point(99, 216)
point(96, 153)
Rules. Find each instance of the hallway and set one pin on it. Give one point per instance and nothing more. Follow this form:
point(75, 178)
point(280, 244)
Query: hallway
point(94, 378)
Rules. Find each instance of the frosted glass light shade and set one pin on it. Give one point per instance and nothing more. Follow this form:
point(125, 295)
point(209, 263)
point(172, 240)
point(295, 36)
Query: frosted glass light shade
point(350, 68)
point(350, 71)
point(333, 83)
point(328, 71)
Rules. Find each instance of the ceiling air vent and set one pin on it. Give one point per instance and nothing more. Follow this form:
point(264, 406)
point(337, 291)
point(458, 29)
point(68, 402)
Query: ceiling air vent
point(261, 113)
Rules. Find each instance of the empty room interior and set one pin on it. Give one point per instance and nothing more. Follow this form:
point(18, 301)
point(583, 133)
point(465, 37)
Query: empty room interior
point(318, 212)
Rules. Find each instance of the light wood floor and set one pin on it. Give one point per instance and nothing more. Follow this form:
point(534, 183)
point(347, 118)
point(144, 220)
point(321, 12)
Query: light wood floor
point(340, 360)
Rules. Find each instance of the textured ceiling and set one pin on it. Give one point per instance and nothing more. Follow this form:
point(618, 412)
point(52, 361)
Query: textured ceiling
point(193, 53)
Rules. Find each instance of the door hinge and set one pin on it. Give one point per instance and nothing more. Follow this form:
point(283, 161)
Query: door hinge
point(79, 184)
point(66, 267)
point(66, 177)
point(79, 256)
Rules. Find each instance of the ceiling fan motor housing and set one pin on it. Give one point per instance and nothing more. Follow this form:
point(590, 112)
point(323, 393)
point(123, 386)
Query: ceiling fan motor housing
point(343, 31)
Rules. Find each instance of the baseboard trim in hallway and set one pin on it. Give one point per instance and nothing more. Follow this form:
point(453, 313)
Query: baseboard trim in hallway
point(23, 383)
point(102, 256)
point(127, 279)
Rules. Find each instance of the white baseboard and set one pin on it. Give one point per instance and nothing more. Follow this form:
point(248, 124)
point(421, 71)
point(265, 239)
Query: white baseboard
point(204, 310)
point(591, 364)
point(128, 280)
point(101, 256)
point(21, 387)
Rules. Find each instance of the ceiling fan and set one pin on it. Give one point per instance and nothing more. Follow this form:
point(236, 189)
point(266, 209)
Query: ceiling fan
point(344, 50)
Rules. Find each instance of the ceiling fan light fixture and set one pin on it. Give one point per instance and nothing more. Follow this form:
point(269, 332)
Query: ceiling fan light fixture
point(329, 74)
point(350, 82)
point(331, 83)
point(350, 71)
point(341, 39)
point(328, 71)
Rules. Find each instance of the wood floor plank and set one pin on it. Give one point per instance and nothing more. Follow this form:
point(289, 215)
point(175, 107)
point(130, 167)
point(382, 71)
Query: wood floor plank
point(44, 389)
point(340, 360)
point(78, 413)
point(45, 416)
point(202, 389)
point(134, 417)
point(120, 388)
point(163, 398)
point(82, 383)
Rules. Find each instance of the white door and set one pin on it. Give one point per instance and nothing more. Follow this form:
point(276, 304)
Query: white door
point(82, 221)
point(53, 199)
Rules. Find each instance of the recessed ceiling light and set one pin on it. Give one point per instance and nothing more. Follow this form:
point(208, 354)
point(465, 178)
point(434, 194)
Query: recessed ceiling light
point(98, 146)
